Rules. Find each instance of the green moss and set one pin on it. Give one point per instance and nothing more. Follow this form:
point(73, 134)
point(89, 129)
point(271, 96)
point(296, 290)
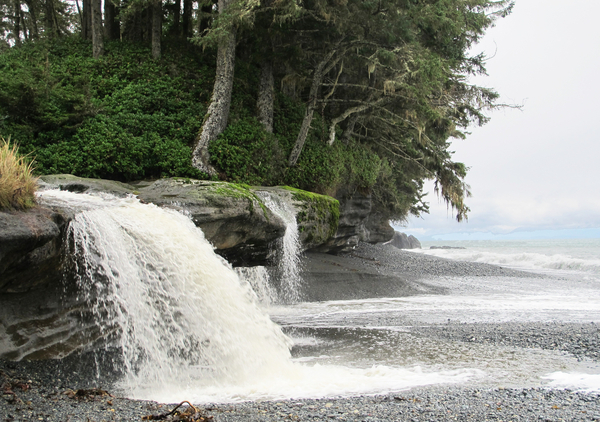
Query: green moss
point(324, 209)
point(239, 190)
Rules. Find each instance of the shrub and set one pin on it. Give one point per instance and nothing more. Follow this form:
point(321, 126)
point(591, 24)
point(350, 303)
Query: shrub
point(245, 153)
point(17, 184)
point(120, 117)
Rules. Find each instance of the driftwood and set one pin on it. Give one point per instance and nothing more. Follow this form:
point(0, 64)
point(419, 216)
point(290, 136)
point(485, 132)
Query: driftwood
point(190, 414)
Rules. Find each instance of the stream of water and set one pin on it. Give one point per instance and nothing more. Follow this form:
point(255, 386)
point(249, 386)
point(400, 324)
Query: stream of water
point(189, 327)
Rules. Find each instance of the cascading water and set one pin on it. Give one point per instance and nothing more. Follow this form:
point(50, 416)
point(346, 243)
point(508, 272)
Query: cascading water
point(290, 281)
point(181, 313)
point(259, 280)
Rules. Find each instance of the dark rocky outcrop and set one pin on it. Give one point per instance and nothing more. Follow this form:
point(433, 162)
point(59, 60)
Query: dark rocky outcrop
point(354, 209)
point(414, 242)
point(30, 248)
point(358, 222)
point(402, 241)
point(44, 322)
point(36, 315)
point(376, 229)
point(232, 217)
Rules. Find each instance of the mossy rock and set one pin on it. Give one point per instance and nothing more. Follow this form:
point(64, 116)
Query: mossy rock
point(317, 215)
point(231, 216)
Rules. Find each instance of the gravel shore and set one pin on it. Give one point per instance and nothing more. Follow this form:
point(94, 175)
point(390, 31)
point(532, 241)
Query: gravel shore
point(34, 400)
point(66, 391)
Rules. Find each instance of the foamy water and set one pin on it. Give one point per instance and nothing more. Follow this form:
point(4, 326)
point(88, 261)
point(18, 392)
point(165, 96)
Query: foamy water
point(289, 279)
point(580, 256)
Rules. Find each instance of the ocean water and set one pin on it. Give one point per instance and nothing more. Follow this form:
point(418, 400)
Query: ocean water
point(359, 333)
point(569, 256)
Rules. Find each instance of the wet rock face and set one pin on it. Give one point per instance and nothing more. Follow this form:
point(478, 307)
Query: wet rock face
point(37, 318)
point(44, 323)
point(358, 222)
point(30, 248)
point(354, 209)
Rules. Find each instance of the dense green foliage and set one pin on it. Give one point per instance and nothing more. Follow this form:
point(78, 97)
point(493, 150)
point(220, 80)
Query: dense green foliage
point(122, 117)
point(380, 87)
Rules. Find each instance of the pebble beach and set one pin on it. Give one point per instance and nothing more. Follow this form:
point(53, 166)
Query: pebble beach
point(62, 390)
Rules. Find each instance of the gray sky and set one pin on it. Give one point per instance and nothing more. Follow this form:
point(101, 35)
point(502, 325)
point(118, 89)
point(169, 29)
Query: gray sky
point(539, 168)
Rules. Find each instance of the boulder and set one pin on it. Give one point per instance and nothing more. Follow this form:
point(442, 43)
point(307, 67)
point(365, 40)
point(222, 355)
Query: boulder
point(414, 242)
point(402, 241)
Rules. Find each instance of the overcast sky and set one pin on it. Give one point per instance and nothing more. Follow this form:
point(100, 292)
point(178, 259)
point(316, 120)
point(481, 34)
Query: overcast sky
point(537, 169)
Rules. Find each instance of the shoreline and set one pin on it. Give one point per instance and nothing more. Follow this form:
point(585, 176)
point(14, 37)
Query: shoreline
point(434, 403)
point(47, 390)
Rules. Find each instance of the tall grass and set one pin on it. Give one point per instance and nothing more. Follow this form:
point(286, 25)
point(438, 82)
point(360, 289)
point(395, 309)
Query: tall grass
point(17, 183)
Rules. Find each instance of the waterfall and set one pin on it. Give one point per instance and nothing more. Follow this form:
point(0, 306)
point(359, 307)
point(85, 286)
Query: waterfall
point(290, 281)
point(178, 314)
point(260, 282)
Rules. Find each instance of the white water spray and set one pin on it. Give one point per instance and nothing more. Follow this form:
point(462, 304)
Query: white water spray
point(289, 262)
point(181, 314)
point(260, 281)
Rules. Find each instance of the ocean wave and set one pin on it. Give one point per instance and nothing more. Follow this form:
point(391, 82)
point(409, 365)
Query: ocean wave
point(523, 260)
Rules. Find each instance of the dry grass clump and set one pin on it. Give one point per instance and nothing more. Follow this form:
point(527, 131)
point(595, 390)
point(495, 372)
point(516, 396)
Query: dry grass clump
point(17, 183)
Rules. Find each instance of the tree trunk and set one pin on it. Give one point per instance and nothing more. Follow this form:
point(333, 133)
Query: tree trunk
point(349, 130)
point(265, 96)
point(97, 40)
point(204, 17)
point(187, 19)
point(51, 29)
point(112, 30)
point(17, 27)
point(156, 28)
point(177, 18)
point(147, 18)
point(320, 71)
point(34, 32)
point(86, 20)
point(218, 110)
point(352, 111)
